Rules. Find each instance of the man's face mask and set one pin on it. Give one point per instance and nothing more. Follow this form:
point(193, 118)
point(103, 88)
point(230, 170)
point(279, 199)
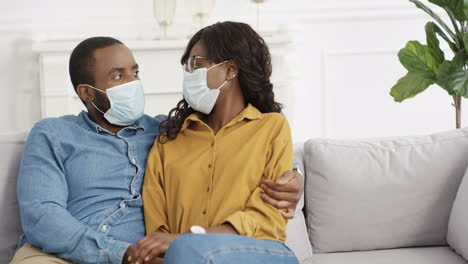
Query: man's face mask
point(127, 103)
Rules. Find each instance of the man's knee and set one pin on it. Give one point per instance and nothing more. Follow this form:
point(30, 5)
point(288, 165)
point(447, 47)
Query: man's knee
point(38, 260)
point(29, 254)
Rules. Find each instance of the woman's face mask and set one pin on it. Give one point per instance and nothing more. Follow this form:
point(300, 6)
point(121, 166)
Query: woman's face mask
point(127, 103)
point(196, 91)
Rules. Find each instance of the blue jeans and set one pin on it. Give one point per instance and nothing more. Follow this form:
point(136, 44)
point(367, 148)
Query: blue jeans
point(225, 248)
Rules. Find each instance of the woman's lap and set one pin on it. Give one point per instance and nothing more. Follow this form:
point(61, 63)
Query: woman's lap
point(226, 248)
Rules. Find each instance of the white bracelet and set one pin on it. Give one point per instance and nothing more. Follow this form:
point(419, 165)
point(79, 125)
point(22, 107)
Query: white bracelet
point(197, 230)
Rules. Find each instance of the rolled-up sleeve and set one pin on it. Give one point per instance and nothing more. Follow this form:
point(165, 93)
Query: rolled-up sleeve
point(42, 196)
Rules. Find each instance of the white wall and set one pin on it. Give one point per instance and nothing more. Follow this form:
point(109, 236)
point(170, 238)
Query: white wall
point(343, 59)
point(350, 64)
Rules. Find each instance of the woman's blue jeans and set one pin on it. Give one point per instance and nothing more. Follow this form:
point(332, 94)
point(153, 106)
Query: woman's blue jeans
point(226, 249)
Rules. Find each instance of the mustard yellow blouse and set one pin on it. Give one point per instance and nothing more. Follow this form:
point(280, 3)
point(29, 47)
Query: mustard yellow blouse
point(205, 179)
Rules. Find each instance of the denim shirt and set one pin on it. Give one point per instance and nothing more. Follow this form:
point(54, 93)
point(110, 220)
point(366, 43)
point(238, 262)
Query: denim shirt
point(79, 187)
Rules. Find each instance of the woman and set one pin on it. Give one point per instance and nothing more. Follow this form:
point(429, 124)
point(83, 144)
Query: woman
point(204, 171)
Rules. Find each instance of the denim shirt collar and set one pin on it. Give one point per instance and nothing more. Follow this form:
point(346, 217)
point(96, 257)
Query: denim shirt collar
point(85, 121)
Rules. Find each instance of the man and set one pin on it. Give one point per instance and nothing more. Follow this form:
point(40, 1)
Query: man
point(80, 182)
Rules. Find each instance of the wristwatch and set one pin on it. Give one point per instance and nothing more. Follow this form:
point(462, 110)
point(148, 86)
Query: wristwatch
point(197, 230)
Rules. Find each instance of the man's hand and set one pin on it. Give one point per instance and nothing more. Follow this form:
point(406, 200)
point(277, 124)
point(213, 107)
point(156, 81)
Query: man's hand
point(151, 248)
point(131, 251)
point(285, 193)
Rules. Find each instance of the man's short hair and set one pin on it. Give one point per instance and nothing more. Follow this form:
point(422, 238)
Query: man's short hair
point(81, 65)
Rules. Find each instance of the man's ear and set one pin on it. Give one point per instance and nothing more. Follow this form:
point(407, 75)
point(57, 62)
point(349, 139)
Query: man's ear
point(233, 70)
point(84, 93)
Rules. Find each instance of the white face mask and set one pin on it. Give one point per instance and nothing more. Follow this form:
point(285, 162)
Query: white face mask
point(127, 103)
point(196, 91)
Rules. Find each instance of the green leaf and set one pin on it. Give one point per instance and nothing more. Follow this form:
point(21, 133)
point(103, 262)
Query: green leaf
point(436, 18)
point(417, 58)
point(458, 10)
point(459, 59)
point(459, 82)
point(433, 43)
point(452, 76)
point(456, 6)
point(443, 77)
point(454, 81)
point(410, 85)
point(465, 40)
point(458, 33)
point(465, 8)
point(441, 33)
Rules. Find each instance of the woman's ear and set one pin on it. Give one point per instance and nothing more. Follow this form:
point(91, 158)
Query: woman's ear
point(233, 70)
point(84, 93)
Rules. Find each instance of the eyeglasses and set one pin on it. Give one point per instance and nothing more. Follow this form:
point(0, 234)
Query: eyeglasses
point(190, 65)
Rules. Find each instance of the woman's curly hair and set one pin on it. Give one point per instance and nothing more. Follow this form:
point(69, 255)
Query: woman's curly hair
point(240, 43)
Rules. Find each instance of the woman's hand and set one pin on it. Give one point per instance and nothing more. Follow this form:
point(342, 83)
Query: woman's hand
point(151, 248)
point(285, 193)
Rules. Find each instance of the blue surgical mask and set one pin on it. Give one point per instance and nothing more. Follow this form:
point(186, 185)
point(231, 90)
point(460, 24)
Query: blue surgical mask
point(127, 103)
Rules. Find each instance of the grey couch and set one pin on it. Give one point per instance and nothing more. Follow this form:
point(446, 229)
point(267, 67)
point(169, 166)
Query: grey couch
point(366, 201)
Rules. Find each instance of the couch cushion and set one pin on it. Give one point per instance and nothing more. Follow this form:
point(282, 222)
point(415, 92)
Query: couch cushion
point(11, 147)
point(382, 193)
point(296, 231)
point(457, 236)
point(429, 255)
point(297, 239)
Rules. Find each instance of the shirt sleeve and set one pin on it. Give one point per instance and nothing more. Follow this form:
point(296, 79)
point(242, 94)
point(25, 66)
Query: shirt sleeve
point(154, 200)
point(160, 118)
point(259, 219)
point(42, 195)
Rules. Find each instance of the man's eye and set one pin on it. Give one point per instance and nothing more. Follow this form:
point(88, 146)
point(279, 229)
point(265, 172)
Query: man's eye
point(118, 77)
point(136, 73)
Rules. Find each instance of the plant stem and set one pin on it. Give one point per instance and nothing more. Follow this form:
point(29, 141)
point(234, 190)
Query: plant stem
point(457, 103)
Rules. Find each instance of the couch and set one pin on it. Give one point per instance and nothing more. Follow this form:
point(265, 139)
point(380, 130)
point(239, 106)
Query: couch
point(370, 201)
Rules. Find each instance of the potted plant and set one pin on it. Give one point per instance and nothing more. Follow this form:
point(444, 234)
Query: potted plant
point(427, 65)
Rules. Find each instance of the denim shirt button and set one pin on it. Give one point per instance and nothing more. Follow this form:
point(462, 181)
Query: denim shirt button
point(104, 228)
